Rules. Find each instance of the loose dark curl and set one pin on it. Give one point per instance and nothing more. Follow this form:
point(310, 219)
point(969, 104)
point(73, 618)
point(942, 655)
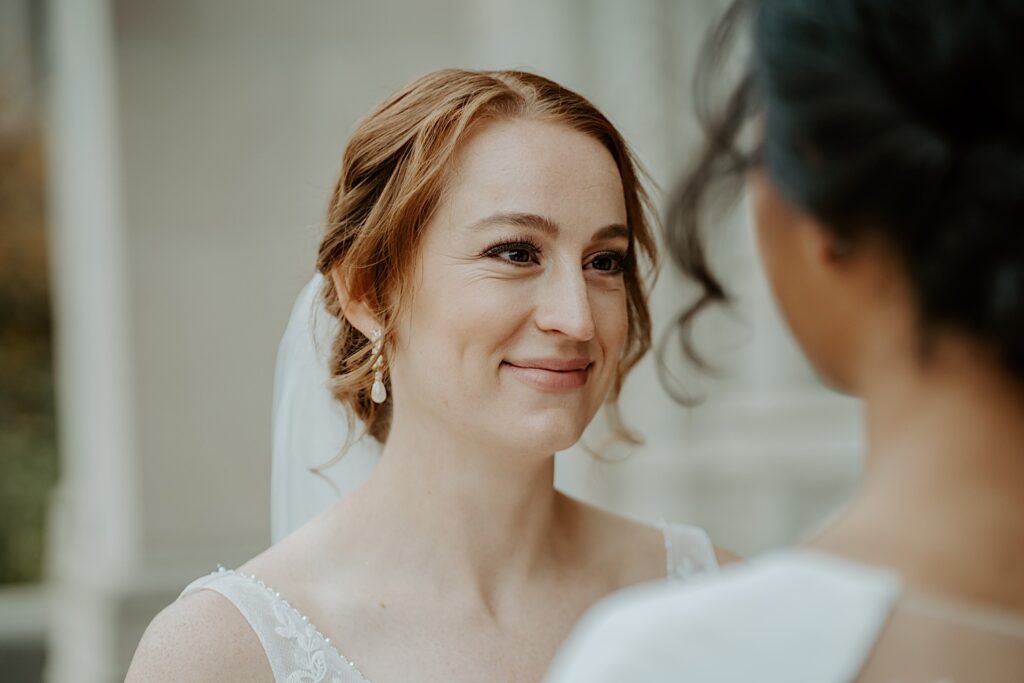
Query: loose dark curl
point(904, 119)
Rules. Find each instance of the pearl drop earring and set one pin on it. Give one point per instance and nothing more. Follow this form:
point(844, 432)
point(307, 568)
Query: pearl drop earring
point(378, 394)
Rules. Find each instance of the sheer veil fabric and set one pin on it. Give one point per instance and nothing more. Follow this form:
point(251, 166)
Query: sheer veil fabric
point(310, 428)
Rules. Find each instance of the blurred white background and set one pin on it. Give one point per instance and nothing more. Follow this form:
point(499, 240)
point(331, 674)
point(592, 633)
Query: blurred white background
point(191, 146)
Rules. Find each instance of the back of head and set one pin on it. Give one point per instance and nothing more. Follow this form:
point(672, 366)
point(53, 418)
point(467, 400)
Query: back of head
point(900, 119)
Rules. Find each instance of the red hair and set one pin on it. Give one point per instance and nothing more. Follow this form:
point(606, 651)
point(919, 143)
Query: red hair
point(392, 176)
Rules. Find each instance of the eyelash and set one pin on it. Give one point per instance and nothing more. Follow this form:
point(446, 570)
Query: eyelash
point(519, 244)
point(528, 245)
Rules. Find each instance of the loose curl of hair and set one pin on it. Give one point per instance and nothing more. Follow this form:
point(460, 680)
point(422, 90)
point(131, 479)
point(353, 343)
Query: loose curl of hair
point(901, 119)
point(393, 173)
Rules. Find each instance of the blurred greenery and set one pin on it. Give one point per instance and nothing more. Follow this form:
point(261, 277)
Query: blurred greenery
point(28, 452)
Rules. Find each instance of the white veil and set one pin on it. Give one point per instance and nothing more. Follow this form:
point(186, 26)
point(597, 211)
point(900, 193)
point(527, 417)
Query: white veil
point(309, 427)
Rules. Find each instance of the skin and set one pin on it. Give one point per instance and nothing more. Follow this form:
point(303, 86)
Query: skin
point(942, 497)
point(461, 510)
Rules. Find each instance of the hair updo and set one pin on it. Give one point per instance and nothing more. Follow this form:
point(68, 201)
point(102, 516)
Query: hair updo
point(904, 119)
point(392, 176)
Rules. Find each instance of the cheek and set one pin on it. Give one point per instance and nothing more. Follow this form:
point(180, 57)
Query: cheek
point(785, 280)
point(458, 326)
point(611, 322)
point(774, 229)
point(765, 217)
point(773, 262)
point(805, 300)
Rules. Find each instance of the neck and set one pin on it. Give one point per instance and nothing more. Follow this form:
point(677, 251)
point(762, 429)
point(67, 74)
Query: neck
point(955, 421)
point(468, 517)
point(944, 477)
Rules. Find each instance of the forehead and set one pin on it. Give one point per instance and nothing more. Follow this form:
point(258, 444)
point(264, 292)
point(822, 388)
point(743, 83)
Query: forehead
point(535, 167)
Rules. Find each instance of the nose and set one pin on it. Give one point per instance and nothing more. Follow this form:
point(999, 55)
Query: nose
point(564, 305)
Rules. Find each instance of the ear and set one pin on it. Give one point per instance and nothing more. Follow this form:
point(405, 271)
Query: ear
point(355, 311)
point(826, 248)
point(838, 248)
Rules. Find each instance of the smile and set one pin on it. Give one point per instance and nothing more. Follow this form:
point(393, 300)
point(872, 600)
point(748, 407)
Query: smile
point(551, 374)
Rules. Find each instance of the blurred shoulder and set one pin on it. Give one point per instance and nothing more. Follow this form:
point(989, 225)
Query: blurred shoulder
point(632, 635)
point(771, 611)
point(653, 632)
point(200, 637)
point(726, 556)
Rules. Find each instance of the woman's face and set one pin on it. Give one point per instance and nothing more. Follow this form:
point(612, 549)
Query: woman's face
point(517, 318)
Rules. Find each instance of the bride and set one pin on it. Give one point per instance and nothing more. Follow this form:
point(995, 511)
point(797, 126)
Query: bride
point(484, 259)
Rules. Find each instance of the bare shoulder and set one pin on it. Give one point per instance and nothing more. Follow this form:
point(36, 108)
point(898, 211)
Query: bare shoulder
point(632, 550)
point(726, 556)
point(634, 540)
point(200, 638)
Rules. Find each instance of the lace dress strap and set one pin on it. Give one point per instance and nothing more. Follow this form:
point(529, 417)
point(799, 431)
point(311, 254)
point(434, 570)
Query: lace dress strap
point(688, 552)
point(296, 650)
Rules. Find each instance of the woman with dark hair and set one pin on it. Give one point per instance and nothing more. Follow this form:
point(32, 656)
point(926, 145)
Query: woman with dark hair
point(887, 189)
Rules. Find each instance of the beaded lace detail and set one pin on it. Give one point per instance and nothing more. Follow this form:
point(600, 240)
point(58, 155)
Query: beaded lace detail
point(299, 653)
point(688, 551)
point(311, 646)
point(296, 650)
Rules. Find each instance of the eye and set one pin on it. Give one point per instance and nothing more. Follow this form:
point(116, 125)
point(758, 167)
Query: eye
point(519, 253)
point(610, 262)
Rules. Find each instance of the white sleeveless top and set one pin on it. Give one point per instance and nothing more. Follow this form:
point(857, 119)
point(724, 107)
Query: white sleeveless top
point(299, 653)
point(791, 617)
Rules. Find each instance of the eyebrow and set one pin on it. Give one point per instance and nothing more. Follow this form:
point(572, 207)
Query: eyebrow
point(545, 225)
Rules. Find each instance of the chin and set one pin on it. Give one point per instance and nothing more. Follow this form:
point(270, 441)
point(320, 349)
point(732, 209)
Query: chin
point(837, 385)
point(549, 432)
point(833, 378)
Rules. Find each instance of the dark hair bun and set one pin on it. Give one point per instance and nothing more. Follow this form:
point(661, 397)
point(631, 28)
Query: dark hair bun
point(907, 118)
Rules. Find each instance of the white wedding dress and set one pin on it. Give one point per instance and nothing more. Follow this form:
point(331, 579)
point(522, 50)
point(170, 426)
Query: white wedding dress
point(297, 652)
point(791, 617)
point(310, 429)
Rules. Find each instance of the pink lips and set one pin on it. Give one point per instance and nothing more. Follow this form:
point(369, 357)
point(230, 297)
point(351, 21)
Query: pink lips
point(551, 374)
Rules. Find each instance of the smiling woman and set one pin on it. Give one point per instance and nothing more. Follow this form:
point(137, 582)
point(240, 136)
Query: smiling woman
point(408, 152)
point(504, 300)
point(484, 260)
